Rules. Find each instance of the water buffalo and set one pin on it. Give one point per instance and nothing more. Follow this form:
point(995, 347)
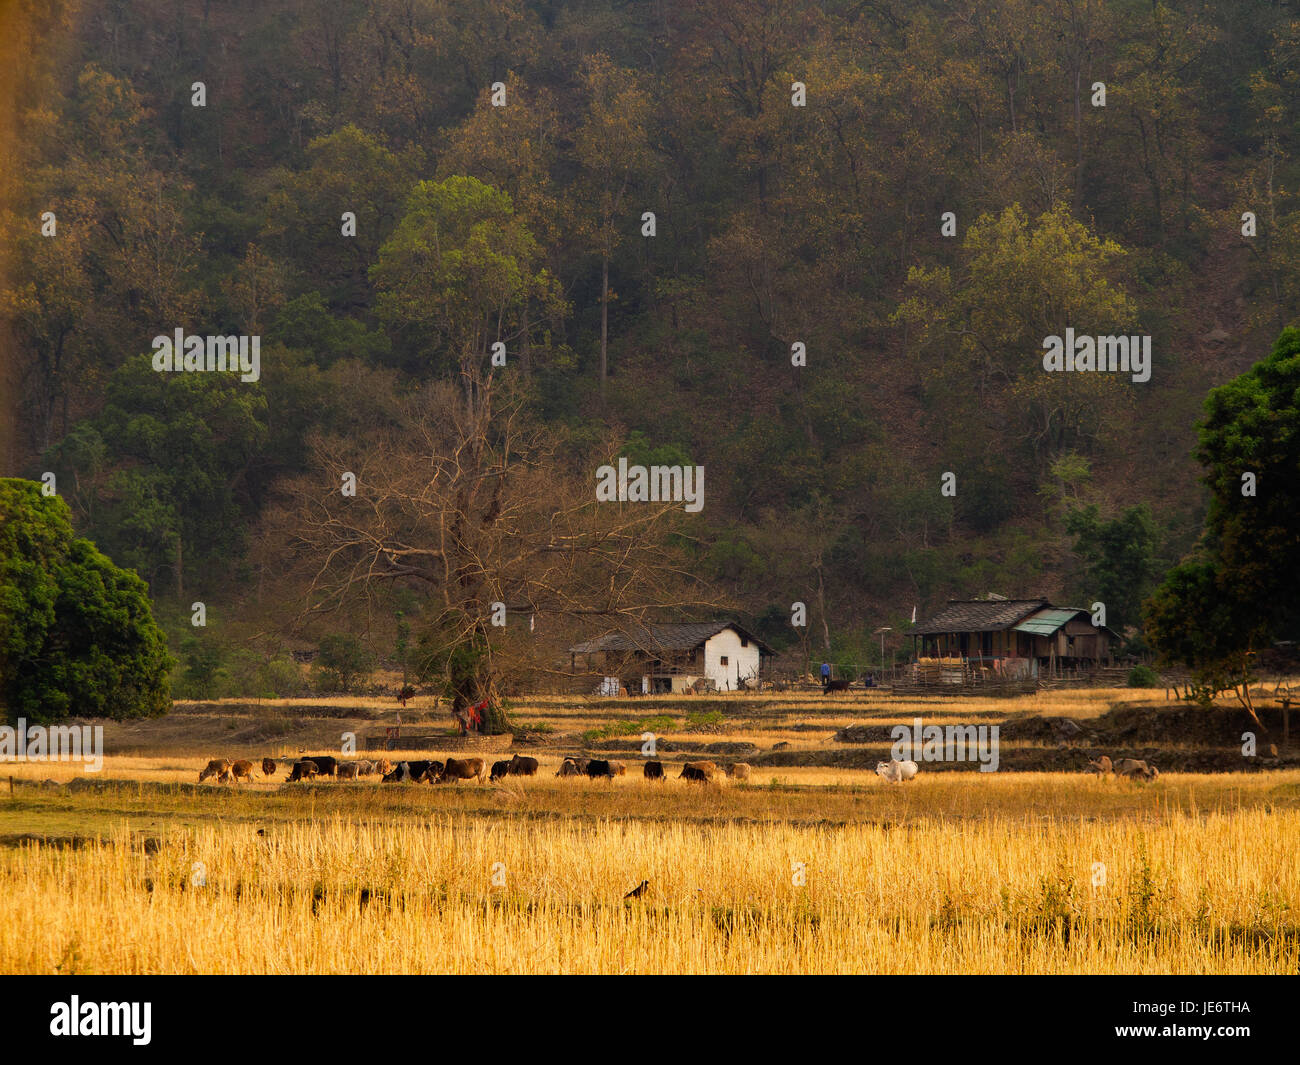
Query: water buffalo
point(653, 770)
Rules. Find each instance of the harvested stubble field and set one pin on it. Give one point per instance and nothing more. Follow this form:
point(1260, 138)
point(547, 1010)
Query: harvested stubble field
point(807, 868)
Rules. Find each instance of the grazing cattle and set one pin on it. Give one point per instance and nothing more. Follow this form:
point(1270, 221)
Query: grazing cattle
point(570, 768)
point(500, 770)
point(523, 766)
point(348, 771)
point(463, 769)
point(896, 772)
point(738, 771)
point(383, 767)
point(223, 777)
point(653, 770)
point(1101, 766)
point(414, 772)
point(268, 767)
point(242, 770)
point(600, 767)
point(1135, 769)
point(704, 772)
point(617, 769)
point(214, 768)
point(835, 686)
point(326, 765)
point(304, 769)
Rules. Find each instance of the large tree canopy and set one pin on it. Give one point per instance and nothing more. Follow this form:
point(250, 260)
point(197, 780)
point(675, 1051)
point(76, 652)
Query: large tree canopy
point(1213, 610)
point(77, 637)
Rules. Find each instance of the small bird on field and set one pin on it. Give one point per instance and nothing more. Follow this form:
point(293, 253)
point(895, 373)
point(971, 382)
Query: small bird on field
point(638, 891)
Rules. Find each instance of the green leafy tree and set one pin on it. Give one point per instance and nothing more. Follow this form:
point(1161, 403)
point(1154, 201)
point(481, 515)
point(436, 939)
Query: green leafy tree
point(77, 636)
point(1119, 560)
point(1240, 589)
point(344, 661)
point(456, 275)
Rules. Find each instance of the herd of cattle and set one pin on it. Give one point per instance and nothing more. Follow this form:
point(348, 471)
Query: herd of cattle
point(432, 771)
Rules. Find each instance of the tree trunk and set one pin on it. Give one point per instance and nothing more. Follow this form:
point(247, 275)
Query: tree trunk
point(604, 323)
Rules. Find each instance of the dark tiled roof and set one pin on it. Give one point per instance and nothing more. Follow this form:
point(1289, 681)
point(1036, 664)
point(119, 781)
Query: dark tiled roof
point(978, 615)
point(657, 638)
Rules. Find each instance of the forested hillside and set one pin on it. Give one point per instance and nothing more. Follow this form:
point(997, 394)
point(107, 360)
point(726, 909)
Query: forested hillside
point(668, 198)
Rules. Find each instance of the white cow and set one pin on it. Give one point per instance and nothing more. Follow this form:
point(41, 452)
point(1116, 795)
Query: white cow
point(896, 772)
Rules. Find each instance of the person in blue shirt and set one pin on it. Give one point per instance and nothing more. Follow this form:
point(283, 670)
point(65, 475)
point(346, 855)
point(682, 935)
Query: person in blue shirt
point(826, 673)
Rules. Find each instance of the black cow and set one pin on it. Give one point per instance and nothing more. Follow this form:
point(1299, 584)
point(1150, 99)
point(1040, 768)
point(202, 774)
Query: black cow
point(523, 766)
point(835, 686)
point(653, 770)
point(416, 772)
point(326, 765)
point(305, 769)
point(500, 770)
point(601, 767)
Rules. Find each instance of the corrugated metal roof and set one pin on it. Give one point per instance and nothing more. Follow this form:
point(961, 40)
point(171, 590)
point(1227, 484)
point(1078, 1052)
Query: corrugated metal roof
point(1045, 622)
point(978, 615)
point(656, 638)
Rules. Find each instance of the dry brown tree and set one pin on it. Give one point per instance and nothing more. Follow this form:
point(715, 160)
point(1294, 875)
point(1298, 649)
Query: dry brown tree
point(488, 516)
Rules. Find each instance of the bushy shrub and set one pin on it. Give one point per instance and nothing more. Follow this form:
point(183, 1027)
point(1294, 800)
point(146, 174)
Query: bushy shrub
point(1143, 677)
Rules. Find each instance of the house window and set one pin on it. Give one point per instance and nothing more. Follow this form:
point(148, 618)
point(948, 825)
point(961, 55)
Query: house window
point(724, 660)
point(744, 642)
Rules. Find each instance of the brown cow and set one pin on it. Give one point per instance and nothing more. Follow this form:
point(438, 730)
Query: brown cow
point(1137, 770)
point(704, 772)
point(653, 770)
point(215, 768)
point(268, 767)
point(523, 766)
point(570, 768)
point(304, 769)
point(242, 770)
point(1102, 766)
point(348, 771)
point(738, 771)
point(463, 769)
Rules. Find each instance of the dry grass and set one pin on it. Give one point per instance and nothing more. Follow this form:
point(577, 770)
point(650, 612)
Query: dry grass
point(1191, 893)
point(955, 872)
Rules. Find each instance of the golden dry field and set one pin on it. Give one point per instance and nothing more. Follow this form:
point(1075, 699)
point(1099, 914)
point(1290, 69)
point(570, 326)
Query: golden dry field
point(805, 868)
